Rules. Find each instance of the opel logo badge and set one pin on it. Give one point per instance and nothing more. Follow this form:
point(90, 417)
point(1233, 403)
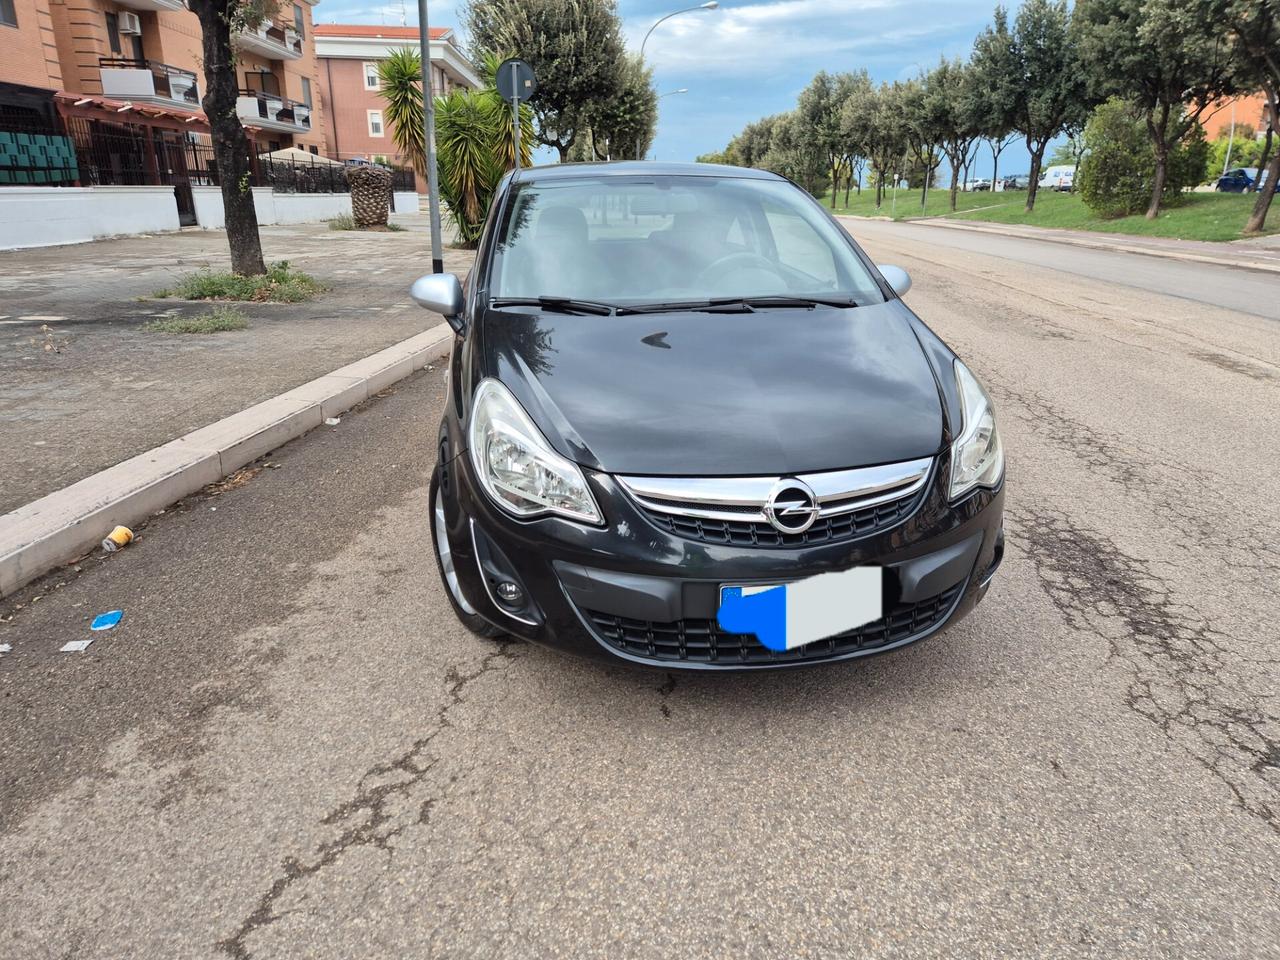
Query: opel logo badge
point(792, 506)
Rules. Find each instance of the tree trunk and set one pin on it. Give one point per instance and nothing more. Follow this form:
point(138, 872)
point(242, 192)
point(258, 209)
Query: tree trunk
point(879, 189)
point(230, 145)
point(957, 170)
point(563, 150)
point(1157, 186)
point(1258, 219)
point(1264, 159)
point(1037, 157)
point(995, 164)
point(848, 184)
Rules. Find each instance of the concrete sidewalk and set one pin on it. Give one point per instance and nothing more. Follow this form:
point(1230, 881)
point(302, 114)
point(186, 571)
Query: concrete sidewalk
point(1260, 253)
point(97, 388)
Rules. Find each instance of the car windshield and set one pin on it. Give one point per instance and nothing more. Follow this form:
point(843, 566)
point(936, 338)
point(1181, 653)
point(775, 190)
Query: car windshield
point(652, 240)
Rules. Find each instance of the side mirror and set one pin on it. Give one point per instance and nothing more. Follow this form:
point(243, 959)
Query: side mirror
point(898, 278)
point(442, 293)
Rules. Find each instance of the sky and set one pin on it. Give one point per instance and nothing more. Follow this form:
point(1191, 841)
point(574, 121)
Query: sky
point(751, 58)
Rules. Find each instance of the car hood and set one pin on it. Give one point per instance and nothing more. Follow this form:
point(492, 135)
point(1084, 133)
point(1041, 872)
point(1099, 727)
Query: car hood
point(720, 394)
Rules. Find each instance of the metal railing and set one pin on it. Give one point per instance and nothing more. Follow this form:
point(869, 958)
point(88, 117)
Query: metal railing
point(276, 34)
point(280, 109)
point(172, 82)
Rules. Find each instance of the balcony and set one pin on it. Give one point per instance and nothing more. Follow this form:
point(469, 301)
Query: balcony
point(169, 5)
point(269, 112)
point(149, 81)
point(270, 41)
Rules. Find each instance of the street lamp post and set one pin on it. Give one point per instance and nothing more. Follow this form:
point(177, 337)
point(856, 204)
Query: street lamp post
point(709, 5)
point(429, 133)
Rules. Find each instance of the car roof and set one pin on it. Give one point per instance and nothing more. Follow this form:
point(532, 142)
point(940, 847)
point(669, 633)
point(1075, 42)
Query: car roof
point(632, 168)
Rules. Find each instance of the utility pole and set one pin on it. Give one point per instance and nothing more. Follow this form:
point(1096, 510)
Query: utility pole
point(429, 123)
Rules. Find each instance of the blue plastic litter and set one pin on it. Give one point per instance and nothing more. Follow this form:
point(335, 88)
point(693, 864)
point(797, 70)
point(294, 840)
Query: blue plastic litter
point(105, 621)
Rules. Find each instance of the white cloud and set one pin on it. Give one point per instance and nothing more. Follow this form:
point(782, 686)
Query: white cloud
point(775, 37)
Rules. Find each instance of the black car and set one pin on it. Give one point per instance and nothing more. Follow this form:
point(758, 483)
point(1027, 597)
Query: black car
point(677, 386)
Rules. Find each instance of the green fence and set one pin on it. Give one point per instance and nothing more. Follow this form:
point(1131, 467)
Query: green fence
point(36, 159)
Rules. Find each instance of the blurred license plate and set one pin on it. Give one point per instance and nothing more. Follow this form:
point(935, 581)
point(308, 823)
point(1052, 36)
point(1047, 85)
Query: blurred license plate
point(789, 615)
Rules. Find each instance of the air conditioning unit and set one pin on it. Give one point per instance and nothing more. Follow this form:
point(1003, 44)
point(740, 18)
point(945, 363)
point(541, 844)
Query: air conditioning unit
point(130, 25)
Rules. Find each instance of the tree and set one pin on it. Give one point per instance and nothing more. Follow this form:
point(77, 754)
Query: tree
point(1051, 88)
point(886, 133)
point(400, 83)
point(818, 111)
point(575, 49)
point(997, 79)
point(956, 113)
point(852, 88)
point(924, 112)
point(1118, 171)
point(1168, 57)
point(220, 20)
point(475, 140)
point(623, 126)
point(794, 154)
point(1253, 29)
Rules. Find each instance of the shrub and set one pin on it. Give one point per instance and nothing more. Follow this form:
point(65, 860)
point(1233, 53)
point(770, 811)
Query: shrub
point(217, 320)
point(1117, 174)
point(280, 284)
point(343, 221)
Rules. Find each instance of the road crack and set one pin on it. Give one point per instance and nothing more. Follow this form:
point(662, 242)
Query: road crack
point(371, 817)
point(1184, 677)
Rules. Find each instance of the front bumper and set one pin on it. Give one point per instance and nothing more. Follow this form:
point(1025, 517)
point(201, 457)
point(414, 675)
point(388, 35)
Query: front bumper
point(630, 590)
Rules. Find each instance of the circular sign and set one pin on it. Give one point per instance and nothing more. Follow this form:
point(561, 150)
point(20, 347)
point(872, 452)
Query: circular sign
point(515, 83)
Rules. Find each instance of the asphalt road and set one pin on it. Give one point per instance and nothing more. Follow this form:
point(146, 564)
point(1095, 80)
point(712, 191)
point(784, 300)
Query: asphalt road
point(288, 748)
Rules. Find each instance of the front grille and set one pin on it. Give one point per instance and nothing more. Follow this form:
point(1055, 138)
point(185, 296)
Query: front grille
point(751, 533)
point(694, 640)
point(740, 510)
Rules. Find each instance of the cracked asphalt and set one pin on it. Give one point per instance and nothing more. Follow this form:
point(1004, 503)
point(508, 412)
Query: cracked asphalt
point(289, 748)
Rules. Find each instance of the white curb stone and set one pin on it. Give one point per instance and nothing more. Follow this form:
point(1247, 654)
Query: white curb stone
point(59, 527)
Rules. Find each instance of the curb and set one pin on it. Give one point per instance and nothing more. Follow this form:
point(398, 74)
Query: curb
point(68, 523)
point(1260, 266)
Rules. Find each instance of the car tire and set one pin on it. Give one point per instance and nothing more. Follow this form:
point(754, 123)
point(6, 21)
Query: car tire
point(444, 566)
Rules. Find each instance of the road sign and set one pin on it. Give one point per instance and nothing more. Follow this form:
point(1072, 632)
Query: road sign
point(515, 83)
point(516, 80)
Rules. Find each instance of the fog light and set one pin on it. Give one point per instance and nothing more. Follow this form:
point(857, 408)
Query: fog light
point(509, 592)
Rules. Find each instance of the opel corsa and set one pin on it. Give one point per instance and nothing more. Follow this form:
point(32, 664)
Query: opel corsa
point(673, 381)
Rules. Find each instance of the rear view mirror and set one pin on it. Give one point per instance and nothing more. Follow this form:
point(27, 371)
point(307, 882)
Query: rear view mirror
point(442, 293)
point(897, 278)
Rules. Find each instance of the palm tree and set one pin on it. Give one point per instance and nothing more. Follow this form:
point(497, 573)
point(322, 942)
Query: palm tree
point(400, 76)
point(475, 141)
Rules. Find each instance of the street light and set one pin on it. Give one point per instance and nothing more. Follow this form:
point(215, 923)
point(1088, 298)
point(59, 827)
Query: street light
point(672, 93)
point(709, 5)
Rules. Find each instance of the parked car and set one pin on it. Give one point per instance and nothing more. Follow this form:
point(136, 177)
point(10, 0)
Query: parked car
point(1060, 178)
point(653, 417)
point(1239, 180)
point(1019, 181)
point(978, 185)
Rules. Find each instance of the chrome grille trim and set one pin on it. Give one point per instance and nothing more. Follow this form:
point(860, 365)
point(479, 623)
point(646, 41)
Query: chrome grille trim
point(743, 498)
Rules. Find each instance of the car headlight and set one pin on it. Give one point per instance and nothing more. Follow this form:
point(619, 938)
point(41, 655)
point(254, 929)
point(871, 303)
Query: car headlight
point(516, 464)
point(977, 457)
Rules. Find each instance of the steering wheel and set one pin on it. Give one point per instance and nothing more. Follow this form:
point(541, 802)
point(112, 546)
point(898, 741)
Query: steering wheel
point(742, 260)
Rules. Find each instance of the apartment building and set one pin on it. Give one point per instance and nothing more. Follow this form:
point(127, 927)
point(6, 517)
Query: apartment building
point(350, 96)
point(91, 58)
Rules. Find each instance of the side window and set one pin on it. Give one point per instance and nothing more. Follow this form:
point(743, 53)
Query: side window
point(298, 22)
point(370, 76)
point(799, 247)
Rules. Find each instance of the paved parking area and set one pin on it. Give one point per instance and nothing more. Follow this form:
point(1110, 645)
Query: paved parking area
point(97, 387)
point(289, 747)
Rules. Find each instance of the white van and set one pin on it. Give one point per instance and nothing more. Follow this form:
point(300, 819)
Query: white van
point(1058, 178)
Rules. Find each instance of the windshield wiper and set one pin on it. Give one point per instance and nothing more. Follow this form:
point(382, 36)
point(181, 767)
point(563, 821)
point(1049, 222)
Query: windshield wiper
point(738, 304)
point(557, 305)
